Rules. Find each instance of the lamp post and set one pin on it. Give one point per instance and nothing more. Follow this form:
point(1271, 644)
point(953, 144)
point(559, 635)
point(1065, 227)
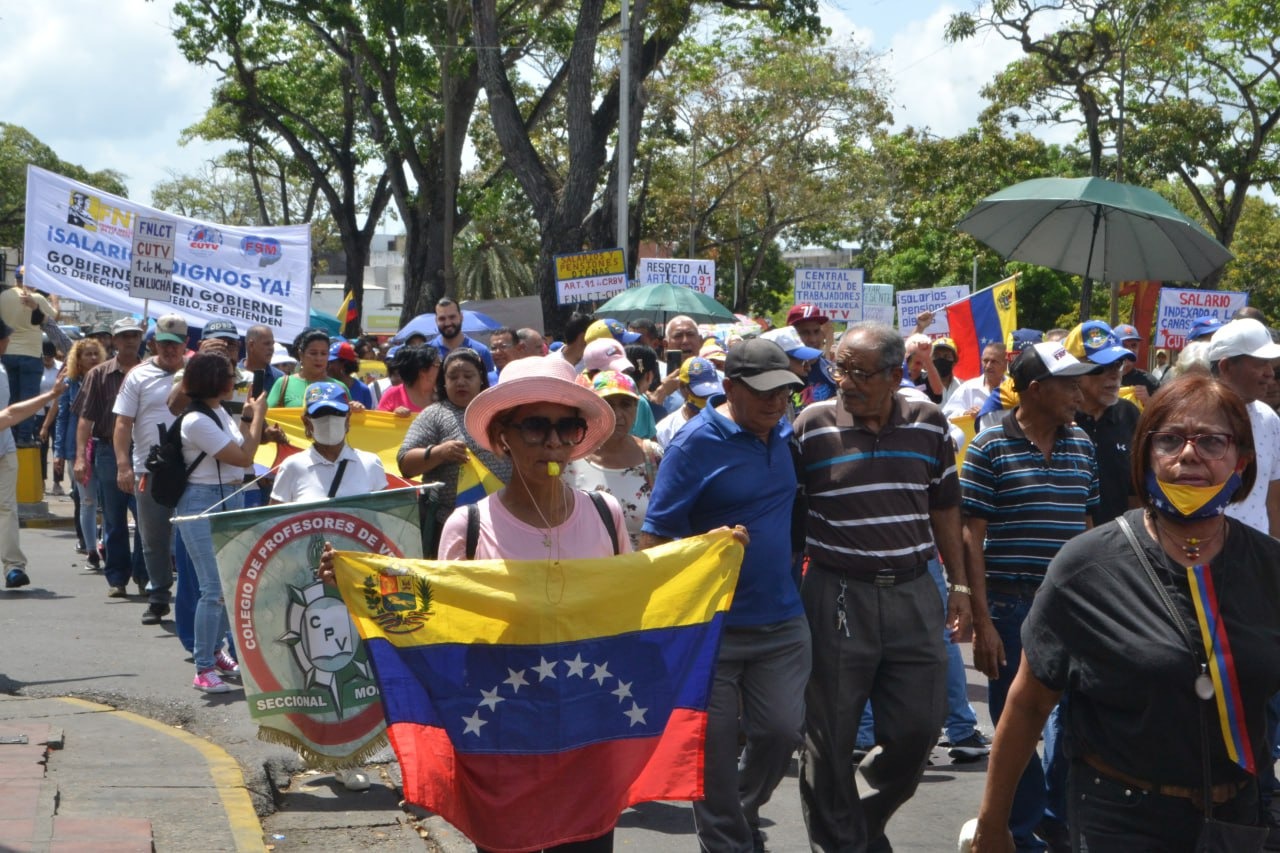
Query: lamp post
point(1129, 30)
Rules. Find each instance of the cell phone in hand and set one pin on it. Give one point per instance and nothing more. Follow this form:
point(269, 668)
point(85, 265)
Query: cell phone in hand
point(259, 383)
point(674, 359)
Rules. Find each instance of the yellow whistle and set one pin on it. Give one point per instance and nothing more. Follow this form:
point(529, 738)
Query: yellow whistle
point(553, 469)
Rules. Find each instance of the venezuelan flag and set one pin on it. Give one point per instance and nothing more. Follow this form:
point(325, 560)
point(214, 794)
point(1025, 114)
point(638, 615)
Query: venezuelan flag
point(475, 481)
point(985, 317)
point(346, 311)
point(529, 703)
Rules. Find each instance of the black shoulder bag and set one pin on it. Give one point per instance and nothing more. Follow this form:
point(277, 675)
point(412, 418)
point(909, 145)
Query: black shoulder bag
point(1215, 836)
point(597, 500)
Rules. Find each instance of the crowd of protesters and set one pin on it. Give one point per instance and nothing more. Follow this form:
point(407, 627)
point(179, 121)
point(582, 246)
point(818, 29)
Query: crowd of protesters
point(891, 511)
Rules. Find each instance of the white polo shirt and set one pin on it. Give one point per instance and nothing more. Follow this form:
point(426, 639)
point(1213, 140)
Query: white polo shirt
point(307, 476)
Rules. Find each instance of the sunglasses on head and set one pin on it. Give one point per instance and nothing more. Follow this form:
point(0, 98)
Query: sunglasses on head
point(537, 429)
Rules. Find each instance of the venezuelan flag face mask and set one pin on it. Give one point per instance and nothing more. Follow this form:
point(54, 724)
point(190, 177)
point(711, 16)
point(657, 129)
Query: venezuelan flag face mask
point(1180, 501)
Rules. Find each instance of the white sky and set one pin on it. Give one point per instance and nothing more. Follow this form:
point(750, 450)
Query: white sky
point(105, 85)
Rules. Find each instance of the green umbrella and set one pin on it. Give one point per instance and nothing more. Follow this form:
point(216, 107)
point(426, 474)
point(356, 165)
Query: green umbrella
point(661, 302)
point(327, 322)
point(1095, 228)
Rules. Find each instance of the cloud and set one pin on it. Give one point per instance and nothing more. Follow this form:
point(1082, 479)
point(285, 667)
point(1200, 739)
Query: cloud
point(106, 89)
point(937, 85)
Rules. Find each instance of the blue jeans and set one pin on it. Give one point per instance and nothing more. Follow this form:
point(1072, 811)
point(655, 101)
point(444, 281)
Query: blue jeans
point(961, 720)
point(211, 623)
point(25, 373)
point(121, 564)
point(1008, 612)
point(88, 511)
point(186, 596)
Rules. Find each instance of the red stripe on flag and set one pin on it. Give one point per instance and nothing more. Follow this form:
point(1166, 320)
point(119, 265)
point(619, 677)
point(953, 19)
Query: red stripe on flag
point(527, 802)
point(964, 332)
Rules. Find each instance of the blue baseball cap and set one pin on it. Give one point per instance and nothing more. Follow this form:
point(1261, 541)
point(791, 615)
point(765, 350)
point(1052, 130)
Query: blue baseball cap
point(1203, 327)
point(1125, 332)
point(342, 351)
point(1020, 339)
point(608, 328)
point(326, 395)
point(1095, 341)
point(701, 377)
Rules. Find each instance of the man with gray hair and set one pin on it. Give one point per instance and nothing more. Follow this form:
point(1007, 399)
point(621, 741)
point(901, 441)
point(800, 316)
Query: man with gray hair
point(529, 343)
point(879, 473)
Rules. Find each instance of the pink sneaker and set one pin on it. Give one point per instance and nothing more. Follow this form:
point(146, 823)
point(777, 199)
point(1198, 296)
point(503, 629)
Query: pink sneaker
point(209, 682)
point(226, 664)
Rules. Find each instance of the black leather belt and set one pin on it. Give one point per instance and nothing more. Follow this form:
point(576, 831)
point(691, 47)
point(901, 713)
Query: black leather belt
point(886, 578)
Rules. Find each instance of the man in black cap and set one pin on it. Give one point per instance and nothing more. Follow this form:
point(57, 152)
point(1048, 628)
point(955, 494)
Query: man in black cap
point(879, 474)
point(731, 465)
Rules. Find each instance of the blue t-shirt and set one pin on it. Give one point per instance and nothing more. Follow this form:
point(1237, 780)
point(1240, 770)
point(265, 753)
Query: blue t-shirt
point(361, 393)
point(714, 474)
point(481, 350)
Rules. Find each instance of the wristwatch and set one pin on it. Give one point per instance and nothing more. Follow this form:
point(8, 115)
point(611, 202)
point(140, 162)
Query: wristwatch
point(959, 587)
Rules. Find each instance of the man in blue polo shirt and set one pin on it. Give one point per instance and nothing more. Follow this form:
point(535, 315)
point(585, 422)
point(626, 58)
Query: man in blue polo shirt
point(1028, 484)
point(732, 464)
point(449, 324)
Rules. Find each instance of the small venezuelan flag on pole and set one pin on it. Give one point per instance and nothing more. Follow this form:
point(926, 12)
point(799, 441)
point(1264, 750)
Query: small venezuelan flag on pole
point(985, 317)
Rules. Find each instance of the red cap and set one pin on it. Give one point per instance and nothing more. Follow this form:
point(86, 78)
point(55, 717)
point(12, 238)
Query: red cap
point(800, 313)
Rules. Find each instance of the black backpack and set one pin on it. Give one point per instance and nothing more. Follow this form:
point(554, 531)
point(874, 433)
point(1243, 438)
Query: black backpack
point(166, 472)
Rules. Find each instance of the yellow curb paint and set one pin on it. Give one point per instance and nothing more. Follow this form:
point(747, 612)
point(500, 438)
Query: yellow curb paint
point(246, 830)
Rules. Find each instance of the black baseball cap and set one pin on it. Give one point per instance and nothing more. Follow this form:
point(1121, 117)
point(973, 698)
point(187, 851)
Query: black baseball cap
point(761, 364)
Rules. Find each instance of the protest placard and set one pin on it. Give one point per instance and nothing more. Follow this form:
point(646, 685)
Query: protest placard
point(913, 303)
point(151, 272)
point(838, 292)
point(877, 303)
point(590, 276)
point(79, 244)
point(695, 273)
point(1179, 308)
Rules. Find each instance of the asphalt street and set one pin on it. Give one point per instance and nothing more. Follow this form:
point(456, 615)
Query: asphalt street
point(64, 637)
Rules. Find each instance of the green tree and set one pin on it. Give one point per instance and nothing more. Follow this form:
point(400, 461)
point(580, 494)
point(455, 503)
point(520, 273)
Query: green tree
point(931, 183)
point(562, 191)
point(759, 135)
point(20, 148)
point(282, 89)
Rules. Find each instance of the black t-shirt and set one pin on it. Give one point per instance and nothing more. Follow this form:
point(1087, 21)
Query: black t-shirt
point(1112, 437)
point(1098, 630)
point(1138, 376)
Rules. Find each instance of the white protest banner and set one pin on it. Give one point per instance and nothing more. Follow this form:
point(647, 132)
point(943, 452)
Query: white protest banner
point(913, 303)
point(79, 244)
point(590, 276)
point(838, 292)
point(877, 303)
point(151, 274)
point(1180, 308)
point(694, 273)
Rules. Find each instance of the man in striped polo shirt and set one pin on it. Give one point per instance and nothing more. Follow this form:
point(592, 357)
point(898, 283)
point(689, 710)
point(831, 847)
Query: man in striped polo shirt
point(879, 475)
point(1028, 485)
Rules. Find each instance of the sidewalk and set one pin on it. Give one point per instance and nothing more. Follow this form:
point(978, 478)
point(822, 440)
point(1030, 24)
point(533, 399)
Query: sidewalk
point(79, 776)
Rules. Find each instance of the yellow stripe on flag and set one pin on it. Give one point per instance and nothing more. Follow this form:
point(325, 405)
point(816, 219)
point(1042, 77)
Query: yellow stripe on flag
point(381, 433)
point(475, 481)
point(685, 582)
point(342, 309)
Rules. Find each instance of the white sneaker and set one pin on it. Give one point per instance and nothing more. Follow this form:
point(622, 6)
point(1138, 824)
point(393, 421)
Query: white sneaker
point(352, 778)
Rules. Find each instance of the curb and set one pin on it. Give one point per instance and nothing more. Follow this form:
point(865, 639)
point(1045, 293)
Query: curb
point(228, 780)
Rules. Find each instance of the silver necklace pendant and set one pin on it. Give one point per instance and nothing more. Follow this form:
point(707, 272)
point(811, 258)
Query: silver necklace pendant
point(546, 541)
point(1204, 687)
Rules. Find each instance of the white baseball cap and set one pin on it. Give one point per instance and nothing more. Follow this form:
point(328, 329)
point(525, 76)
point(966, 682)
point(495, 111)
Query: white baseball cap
point(1242, 337)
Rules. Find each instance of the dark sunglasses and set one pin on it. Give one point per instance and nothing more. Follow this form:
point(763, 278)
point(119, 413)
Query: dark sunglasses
point(537, 429)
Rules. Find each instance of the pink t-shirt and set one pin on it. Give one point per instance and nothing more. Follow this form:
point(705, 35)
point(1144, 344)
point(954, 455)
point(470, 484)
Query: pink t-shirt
point(582, 535)
point(395, 397)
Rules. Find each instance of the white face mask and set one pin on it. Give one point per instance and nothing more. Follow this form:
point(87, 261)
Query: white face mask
point(329, 430)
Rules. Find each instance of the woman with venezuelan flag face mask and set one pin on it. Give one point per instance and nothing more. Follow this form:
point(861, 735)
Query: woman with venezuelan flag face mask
point(1166, 685)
